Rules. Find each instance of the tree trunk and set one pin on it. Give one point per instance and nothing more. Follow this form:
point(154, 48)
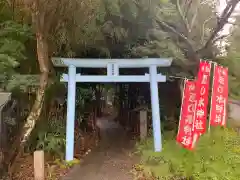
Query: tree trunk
point(43, 60)
point(36, 110)
point(42, 56)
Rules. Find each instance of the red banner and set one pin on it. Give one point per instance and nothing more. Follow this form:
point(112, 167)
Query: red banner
point(184, 136)
point(202, 93)
point(218, 112)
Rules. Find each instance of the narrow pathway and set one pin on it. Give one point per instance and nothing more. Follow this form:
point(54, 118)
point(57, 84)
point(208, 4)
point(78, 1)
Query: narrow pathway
point(111, 160)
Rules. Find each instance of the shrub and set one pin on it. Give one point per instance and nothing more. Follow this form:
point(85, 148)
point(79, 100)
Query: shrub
point(216, 157)
point(49, 136)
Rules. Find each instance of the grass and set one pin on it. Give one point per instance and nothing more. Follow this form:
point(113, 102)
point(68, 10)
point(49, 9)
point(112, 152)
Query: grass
point(217, 156)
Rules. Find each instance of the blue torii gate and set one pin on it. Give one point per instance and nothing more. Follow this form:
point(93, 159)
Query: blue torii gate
point(112, 66)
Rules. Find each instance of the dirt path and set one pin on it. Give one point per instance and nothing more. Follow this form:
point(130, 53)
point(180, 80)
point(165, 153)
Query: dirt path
point(111, 160)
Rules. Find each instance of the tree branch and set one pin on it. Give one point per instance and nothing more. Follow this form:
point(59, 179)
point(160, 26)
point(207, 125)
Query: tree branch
point(184, 18)
point(192, 55)
point(220, 38)
point(173, 30)
point(203, 28)
point(223, 19)
point(188, 48)
point(194, 16)
point(188, 6)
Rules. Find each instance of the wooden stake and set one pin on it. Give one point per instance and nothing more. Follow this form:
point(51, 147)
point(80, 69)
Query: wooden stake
point(39, 165)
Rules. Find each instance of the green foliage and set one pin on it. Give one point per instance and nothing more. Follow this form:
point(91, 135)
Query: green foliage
point(50, 136)
point(113, 6)
point(167, 11)
point(64, 164)
point(22, 82)
point(13, 36)
point(232, 60)
point(50, 133)
point(84, 93)
point(217, 156)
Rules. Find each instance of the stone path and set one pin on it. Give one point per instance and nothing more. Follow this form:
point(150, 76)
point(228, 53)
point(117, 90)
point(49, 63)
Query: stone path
point(112, 160)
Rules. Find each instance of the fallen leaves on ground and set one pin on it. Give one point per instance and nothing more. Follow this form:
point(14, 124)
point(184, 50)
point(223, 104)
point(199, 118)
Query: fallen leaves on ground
point(54, 169)
point(139, 174)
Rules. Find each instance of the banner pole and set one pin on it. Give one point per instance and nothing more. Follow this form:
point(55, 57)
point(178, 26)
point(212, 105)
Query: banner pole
point(213, 84)
point(223, 123)
point(183, 94)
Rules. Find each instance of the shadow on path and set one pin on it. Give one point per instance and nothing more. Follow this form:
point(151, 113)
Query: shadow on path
point(111, 160)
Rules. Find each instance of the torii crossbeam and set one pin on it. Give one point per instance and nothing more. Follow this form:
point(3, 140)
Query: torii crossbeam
point(112, 66)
